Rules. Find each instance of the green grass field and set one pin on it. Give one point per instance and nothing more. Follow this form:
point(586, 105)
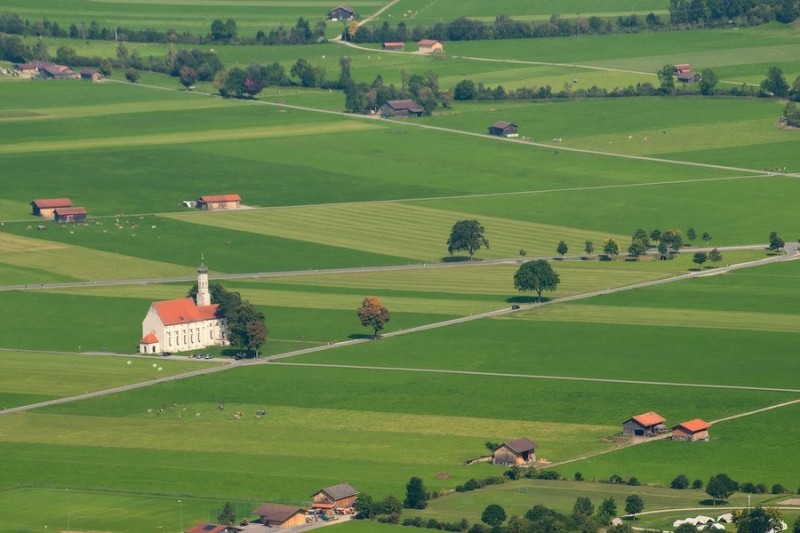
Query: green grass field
point(334, 191)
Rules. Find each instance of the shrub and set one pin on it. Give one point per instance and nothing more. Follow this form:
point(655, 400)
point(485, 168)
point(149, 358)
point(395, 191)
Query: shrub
point(393, 518)
point(414, 522)
point(697, 484)
point(516, 472)
point(548, 474)
point(680, 482)
point(578, 476)
point(777, 488)
point(493, 480)
point(616, 480)
point(633, 482)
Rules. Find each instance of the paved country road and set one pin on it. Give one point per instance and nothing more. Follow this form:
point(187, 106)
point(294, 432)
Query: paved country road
point(792, 254)
point(349, 270)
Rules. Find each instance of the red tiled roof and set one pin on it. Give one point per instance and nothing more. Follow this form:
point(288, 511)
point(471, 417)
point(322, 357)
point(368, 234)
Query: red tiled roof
point(649, 419)
point(183, 311)
point(49, 203)
point(66, 211)
point(221, 198)
point(150, 338)
point(428, 42)
point(274, 512)
point(695, 425)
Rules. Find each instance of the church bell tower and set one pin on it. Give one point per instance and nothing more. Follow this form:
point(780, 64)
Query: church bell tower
point(203, 296)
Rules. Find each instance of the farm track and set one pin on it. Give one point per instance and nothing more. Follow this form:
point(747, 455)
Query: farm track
point(557, 147)
point(792, 254)
point(351, 270)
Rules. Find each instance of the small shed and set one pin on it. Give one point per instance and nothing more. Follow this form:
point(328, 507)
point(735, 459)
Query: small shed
point(393, 46)
point(46, 207)
point(682, 67)
point(273, 514)
point(212, 528)
point(517, 452)
point(401, 108)
point(91, 74)
point(688, 77)
point(429, 46)
point(69, 214)
point(341, 13)
point(691, 431)
point(644, 425)
point(338, 496)
point(219, 201)
point(503, 129)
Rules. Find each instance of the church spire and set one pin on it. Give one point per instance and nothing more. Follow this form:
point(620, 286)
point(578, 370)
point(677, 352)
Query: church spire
point(203, 296)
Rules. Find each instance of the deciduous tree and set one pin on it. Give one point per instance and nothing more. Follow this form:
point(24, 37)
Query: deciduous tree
point(583, 507)
point(132, 75)
point(537, 276)
point(720, 487)
point(373, 314)
point(467, 235)
point(776, 242)
point(680, 482)
point(242, 322)
point(607, 510)
point(634, 505)
point(708, 82)
point(562, 248)
point(691, 234)
point(187, 76)
point(493, 516)
point(610, 248)
point(775, 83)
point(699, 258)
point(714, 256)
point(757, 520)
point(588, 247)
point(666, 79)
point(636, 249)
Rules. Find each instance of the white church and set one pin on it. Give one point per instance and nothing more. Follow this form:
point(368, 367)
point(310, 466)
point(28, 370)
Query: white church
point(183, 324)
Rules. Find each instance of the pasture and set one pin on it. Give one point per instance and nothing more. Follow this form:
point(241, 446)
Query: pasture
point(332, 191)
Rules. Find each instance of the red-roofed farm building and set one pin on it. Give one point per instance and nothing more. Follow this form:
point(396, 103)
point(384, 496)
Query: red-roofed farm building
point(692, 430)
point(46, 207)
point(517, 452)
point(644, 425)
point(213, 528)
point(69, 214)
point(219, 201)
point(183, 324)
point(429, 46)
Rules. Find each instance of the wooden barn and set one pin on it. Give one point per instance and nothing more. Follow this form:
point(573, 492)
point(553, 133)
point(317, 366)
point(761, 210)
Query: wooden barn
point(692, 430)
point(339, 496)
point(341, 13)
point(393, 46)
point(69, 214)
point(401, 108)
point(273, 514)
point(517, 452)
point(682, 67)
point(219, 201)
point(688, 77)
point(429, 46)
point(212, 528)
point(91, 74)
point(46, 207)
point(504, 129)
point(644, 425)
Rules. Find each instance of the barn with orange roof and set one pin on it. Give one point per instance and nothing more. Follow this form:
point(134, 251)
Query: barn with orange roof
point(644, 425)
point(692, 430)
point(184, 323)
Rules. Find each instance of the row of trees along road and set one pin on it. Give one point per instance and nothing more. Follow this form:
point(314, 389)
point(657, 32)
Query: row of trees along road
point(246, 325)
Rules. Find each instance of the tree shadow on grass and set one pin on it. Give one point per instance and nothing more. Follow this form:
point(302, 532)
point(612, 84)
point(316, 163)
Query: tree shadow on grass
point(697, 269)
point(360, 336)
point(455, 259)
point(713, 503)
point(521, 299)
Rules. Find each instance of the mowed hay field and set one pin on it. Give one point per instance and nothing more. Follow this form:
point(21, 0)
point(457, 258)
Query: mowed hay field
point(331, 191)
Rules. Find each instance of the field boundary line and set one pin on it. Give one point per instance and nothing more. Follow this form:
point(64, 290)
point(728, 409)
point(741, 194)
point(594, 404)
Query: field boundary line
point(272, 361)
point(755, 411)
